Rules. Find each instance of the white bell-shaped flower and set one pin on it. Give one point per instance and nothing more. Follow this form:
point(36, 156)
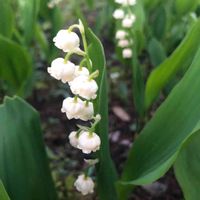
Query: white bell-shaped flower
point(89, 142)
point(127, 53)
point(131, 2)
point(73, 139)
point(73, 107)
point(120, 34)
point(84, 87)
point(61, 70)
point(118, 14)
point(67, 41)
point(123, 43)
point(84, 184)
point(119, 1)
point(77, 109)
point(87, 112)
point(128, 21)
point(126, 2)
point(81, 71)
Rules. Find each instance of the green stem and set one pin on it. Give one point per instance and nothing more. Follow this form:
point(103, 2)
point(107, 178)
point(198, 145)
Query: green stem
point(89, 64)
point(68, 55)
point(82, 63)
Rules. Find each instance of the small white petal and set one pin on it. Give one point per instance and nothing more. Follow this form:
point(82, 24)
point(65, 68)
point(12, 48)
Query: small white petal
point(81, 71)
point(126, 2)
point(89, 142)
point(127, 53)
point(67, 41)
point(84, 87)
point(77, 109)
point(118, 14)
point(84, 184)
point(73, 139)
point(123, 43)
point(128, 21)
point(120, 34)
point(61, 70)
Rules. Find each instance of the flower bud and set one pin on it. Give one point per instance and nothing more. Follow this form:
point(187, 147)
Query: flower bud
point(84, 87)
point(67, 41)
point(123, 43)
point(118, 14)
point(84, 184)
point(81, 71)
point(91, 161)
point(127, 53)
point(81, 27)
point(73, 139)
point(61, 70)
point(120, 34)
point(128, 21)
point(89, 142)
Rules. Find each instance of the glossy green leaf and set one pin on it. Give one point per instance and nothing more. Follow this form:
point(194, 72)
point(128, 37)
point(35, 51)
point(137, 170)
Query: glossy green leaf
point(23, 162)
point(156, 51)
point(180, 58)
point(6, 18)
point(106, 174)
point(187, 168)
point(28, 11)
point(138, 11)
point(3, 193)
point(184, 6)
point(90, 3)
point(137, 85)
point(150, 4)
point(159, 24)
point(15, 66)
point(160, 141)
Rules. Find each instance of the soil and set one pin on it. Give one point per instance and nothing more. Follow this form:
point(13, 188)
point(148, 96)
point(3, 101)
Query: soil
point(67, 162)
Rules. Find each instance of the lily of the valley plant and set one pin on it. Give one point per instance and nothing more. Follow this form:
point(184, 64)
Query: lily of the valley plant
point(81, 80)
point(124, 15)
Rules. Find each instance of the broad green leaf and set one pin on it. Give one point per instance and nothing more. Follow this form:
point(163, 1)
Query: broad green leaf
point(156, 51)
point(137, 85)
point(159, 24)
point(184, 6)
point(6, 18)
point(180, 58)
point(106, 174)
point(150, 4)
point(41, 39)
point(138, 11)
point(23, 162)
point(15, 66)
point(187, 168)
point(3, 193)
point(90, 3)
point(160, 141)
point(28, 11)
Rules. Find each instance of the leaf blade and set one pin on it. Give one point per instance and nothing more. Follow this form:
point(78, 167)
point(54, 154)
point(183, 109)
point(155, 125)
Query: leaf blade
point(181, 58)
point(159, 143)
point(106, 174)
point(23, 162)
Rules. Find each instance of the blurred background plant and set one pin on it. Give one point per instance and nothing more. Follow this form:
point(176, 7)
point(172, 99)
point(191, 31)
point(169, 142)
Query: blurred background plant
point(165, 42)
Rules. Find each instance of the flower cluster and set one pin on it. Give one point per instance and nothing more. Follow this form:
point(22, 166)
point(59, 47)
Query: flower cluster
point(127, 19)
point(81, 80)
